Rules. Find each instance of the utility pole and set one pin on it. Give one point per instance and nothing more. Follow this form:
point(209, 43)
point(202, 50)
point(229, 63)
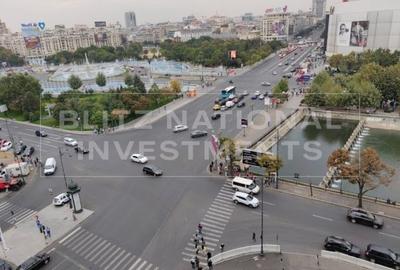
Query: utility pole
point(62, 166)
point(277, 156)
point(262, 218)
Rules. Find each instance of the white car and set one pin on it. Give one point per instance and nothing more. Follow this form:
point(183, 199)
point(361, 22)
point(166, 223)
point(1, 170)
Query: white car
point(231, 96)
point(274, 73)
point(261, 97)
point(61, 199)
point(6, 146)
point(280, 64)
point(70, 141)
point(229, 104)
point(139, 158)
point(245, 93)
point(179, 128)
point(246, 199)
point(257, 93)
point(266, 84)
point(224, 108)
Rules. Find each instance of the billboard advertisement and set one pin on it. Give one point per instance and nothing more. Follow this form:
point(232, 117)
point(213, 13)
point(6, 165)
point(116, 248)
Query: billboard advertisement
point(359, 33)
point(343, 34)
point(100, 37)
point(100, 24)
point(31, 34)
point(278, 28)
point(232, 54)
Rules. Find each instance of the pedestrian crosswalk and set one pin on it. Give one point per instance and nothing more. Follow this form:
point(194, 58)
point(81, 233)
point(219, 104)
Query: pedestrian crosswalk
point(101, 253)
point(214, 222)
point(14, 214)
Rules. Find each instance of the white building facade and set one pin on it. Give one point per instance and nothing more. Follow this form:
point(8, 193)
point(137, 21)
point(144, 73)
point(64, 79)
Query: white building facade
point(275, 26)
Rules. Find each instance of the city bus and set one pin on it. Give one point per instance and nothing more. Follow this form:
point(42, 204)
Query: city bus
point(227, 92)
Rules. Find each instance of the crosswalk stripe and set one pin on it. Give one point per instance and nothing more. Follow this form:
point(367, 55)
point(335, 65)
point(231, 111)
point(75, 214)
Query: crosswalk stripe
point(73, 237)
point(99, 252)
point(128, 262)
point(4, 205)
point(226, 204)
point(69, 235)
point(92, 246)
point(149, 266)
point(7, 210)
point(211, 234)
point(25, 217)
point(227, 185)
point(115, 259)
point(208, 218)
point(89, 242)
point(213, 230)
point(224, 197)
point(224, 201)
point(223, 214)
point(141, 266)
point(80, 241)
point(219, 215)
point(121, 261)
point(222, 208)
point(20, 214)
point(110, 257)
point(223, 191)
point(192, 245)
point(105, 254)
point(96, 248)
point(218, 219)
point(133, 265)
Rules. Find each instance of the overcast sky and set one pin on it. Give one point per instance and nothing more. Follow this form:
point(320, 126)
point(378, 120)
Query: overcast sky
point(71, 12)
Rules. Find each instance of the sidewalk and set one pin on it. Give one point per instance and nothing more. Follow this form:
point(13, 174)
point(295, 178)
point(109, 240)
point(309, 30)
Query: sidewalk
point(25, 240)
point(334, 197)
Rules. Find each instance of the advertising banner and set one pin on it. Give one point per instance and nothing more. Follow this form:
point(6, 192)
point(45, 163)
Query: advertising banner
point(343, 34)
point(359, 33)
point(31, 33)
point(100, 37)
point(278, 28)
point(100, 24)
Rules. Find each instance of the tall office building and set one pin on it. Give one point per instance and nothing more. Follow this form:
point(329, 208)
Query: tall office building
point(318, 8)
point(3, 28)
point(130, 19)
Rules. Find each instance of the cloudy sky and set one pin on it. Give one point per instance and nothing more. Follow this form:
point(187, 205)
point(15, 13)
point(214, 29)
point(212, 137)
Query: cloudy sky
point(70, 12)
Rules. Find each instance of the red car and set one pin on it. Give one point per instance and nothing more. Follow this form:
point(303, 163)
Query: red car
point(4, 185)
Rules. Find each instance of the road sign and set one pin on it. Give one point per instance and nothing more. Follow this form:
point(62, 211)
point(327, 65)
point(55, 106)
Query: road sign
point(250, 157)
point(244, 122)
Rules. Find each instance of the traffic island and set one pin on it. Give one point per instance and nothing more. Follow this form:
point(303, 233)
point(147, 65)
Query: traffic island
point(26, 239)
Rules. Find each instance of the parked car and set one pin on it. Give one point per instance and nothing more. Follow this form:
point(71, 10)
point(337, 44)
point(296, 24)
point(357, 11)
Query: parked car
point(198, 133)
point(383, 256)
point(40, 133)
point(254, 97)
point(357, 215)
point(244, 198)
point(81, 149)
point(261, 97)
point(224, 108)
point(217, 107)
point(35, 262)
point(139, 158)
point(180, 128)
point(70, 142)
point(216, 116)
point(28, 151)
point(241, 104)
point(256, 93)
point(152, 170)
point(20, 149)
point(338, 244)
point(61, 199)
point(3, 185)
point(6, 146)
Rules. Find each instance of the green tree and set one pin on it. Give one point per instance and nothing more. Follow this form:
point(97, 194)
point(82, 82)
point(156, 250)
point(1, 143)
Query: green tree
point(138, 84)
point(128, 79)
point(74, 82)
point(175, 86)
point(101, 79)
point(271, 164)
point(228, 152)
point(9, 58)
point(367, 171)
point(280, 89)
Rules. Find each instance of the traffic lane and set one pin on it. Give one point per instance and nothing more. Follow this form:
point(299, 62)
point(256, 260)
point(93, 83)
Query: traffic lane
point(302, 222)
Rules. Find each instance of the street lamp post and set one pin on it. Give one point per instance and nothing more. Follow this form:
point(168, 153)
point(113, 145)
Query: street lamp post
point(62, 167)
point(277, 156)
point(262, 218)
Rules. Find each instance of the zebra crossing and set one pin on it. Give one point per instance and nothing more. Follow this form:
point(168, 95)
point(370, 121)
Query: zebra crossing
point(102, 253)
point(214, 222)
point(20, 213)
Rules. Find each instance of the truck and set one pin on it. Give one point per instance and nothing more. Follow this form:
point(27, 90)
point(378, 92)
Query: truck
point(15, 170)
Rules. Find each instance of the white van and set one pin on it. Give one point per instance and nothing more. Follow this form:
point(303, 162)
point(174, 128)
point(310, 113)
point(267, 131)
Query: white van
point(245, 185)
point(15, 170)
point(50, 166)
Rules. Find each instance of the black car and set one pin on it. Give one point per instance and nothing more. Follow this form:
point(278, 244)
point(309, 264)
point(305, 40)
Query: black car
point(40, 133)
point(241, 104)
point(335, 243)
point(198, 133)
point(35, 262)
point(216, 116)
point(19, 150)
point(152, 170)
point(240, 97)
point(81, 149)
point(357, 215)
point(4, 265)
point(28, 151)
point(383, 256)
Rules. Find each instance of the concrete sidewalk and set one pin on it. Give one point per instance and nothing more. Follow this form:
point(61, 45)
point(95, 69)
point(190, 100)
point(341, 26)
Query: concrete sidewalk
point(25, 240)
point(334, 197)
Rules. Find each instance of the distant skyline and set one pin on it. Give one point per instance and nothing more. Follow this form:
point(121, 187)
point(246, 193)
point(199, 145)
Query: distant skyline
point(71, 12)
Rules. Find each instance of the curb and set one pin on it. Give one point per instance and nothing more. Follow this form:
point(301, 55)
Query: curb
point(328, 202)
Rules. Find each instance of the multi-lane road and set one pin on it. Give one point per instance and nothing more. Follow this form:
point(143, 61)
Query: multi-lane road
point(148, 223)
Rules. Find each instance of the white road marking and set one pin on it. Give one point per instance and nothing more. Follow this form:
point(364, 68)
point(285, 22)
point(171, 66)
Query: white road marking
point(69, 235)
point(268, 203)
point(258, 213)
point(133, 265)
point(321, 217)
point(390, 235)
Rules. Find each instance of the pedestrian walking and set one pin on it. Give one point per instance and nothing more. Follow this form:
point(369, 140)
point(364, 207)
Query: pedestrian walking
point(254, 236)
point(196, 261)
point(48, 232)
point(12, 213)
point(208, 255)
point(193, 263)
point(221, 247)
point(196, 242)
point(200, 227)
point(41, 228)
point(202, 246)
point(202, 240)
point(209, 264)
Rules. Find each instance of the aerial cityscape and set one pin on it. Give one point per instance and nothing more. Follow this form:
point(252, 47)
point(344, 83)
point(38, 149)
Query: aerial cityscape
point(197, 135)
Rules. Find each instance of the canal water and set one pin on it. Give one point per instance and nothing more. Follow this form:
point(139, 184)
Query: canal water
point(306, 148)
